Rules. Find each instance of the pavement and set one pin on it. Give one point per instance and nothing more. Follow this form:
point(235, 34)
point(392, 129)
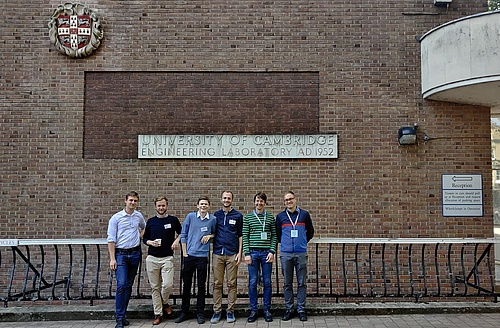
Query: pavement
point(442, 320)
point(342, 315)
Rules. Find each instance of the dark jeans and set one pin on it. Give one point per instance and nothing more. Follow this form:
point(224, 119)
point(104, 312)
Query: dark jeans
point(254, 272)
point(297, 262)
point(191, 265)
point(126, 269)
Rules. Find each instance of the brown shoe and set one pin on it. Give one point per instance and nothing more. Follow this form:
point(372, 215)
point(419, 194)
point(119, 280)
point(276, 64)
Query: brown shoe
point(167, 309)
point(157, 320)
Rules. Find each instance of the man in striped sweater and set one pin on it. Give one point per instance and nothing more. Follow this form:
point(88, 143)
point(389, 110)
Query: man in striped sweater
point(259, 246)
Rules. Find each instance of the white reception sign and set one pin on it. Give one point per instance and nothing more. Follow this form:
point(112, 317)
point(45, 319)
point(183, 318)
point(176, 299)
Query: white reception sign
point(195, 146)
point(462, 195)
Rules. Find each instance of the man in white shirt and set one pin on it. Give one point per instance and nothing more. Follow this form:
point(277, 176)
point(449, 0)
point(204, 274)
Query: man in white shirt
point(125, 230)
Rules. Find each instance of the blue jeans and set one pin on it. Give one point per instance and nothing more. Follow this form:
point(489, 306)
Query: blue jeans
point(127, 264)
point(254, 269)
point(297, 262)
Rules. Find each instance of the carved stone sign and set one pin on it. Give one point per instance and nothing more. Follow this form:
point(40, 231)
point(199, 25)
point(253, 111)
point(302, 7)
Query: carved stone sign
point(75, 30)
point(237, 146)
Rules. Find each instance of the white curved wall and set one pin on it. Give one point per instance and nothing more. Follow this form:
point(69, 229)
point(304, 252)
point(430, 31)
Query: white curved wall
point(461, 61)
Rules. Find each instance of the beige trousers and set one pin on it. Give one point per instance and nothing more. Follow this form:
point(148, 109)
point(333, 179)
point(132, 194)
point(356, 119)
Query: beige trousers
point(161, 278)
point(225, 264)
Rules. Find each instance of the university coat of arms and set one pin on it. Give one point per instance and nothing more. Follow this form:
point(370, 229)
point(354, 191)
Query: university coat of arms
point(75, 30)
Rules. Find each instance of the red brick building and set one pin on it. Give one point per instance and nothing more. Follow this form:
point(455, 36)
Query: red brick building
point(69, 126)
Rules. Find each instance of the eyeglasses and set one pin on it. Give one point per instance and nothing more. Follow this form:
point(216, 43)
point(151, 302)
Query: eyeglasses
point(289, 199)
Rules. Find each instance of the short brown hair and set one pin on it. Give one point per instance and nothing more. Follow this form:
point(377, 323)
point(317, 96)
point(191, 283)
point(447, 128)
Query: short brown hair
point(132, 194)
point(228, 192)
point(203, 198)
point(261, 195)
point(160, 198)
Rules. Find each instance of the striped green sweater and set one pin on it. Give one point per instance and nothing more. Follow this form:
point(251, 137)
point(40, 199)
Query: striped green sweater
point(252, 232)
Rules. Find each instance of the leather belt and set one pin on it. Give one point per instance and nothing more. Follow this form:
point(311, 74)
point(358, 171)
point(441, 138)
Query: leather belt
point(128, 250)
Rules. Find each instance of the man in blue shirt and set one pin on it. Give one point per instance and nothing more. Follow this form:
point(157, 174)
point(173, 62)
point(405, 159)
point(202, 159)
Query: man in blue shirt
point(197, 230)
point(227, 253)
point(124, 247)
point(295, 229)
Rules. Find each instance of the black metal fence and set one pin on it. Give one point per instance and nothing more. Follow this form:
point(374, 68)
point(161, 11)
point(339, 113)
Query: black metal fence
point(69, 269)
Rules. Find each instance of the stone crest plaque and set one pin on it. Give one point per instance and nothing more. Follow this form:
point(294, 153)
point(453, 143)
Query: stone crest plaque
point(75, 30)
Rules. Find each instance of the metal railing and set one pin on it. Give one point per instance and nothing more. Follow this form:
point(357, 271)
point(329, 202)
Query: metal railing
point(407, 267)
point(78, 269)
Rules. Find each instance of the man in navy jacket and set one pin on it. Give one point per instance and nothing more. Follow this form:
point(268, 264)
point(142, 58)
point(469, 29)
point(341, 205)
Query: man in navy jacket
point(227, 253)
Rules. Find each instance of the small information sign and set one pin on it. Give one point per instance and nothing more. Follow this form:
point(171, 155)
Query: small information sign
point(462, 195)
point(9, 242)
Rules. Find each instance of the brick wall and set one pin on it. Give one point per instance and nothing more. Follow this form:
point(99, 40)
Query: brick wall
point(194, 103)
point(363, 56)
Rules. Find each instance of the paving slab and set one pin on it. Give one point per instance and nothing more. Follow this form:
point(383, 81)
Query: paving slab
point(438, 320)
point(105, 312)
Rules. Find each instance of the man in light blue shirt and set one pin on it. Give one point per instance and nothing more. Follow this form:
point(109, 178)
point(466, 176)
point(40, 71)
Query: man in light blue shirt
point(124, 246)
point(197, 230)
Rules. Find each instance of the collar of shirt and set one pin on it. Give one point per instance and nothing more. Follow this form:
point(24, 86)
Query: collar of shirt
point(201, 217)
point(125, 213)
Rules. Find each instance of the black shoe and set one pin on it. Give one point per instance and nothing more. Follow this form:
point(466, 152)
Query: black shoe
point(200, 318)
point(182, 317)
point(125, 322)
point(302, 316)
point(253, 316)
point(287, 316)
point(268, 316)
point(119, 324)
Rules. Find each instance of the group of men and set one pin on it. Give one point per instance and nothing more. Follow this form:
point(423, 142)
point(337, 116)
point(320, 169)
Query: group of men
point(252, 238)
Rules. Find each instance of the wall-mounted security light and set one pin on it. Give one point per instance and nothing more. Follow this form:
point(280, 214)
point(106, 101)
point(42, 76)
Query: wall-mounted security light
point(442, 2)
point(407, 135)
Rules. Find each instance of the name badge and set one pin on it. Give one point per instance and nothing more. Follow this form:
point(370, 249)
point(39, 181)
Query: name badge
point(232, 222)
point(204, 229)
point(167, 226)
point(294, 233)
point(263, 235)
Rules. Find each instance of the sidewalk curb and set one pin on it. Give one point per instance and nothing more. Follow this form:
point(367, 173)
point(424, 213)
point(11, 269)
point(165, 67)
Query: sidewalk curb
point(106, 311)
